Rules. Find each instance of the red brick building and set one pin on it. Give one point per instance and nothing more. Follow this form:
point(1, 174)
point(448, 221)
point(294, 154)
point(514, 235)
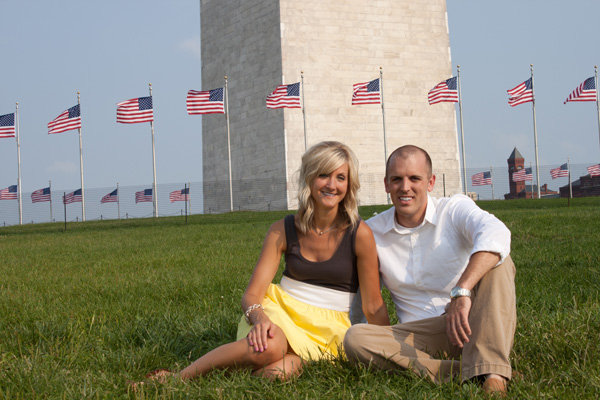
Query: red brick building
point(520, 190)
point(584, 186)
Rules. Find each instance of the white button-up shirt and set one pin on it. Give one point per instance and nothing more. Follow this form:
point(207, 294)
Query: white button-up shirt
point(419, 266)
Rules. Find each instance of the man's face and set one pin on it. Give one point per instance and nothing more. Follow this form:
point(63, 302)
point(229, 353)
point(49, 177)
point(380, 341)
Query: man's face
point(408, 182)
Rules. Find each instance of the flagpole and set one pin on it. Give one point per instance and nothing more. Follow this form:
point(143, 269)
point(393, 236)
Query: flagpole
point(570, 186)
point(531, 168)
point(154, 191)
point(228, 144)
point(81, 164)
point(189, 201)
point(19, 165)
point(383, 114)
point(535, 141)
point(462, 135)
point(119, 200)
point(185, 200)
point(65, 208)
point(385, 152)
point(50, 189)
point(597, 98)
point(303, 109)
point(492, 180)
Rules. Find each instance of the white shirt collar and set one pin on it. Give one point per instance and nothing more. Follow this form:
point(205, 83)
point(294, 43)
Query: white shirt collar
point(431, 211)
point(430, 217)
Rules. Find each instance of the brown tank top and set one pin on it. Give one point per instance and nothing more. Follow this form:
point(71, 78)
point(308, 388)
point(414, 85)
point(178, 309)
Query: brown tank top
point(339, 272)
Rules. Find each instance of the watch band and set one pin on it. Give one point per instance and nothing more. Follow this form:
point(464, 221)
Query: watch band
point(457, 291)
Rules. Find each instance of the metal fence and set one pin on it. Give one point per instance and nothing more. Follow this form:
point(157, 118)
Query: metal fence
point(248, 195)
point(500, 180)
point(95, 210)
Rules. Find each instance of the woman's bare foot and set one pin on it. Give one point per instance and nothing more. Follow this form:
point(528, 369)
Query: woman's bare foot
point(158, 376)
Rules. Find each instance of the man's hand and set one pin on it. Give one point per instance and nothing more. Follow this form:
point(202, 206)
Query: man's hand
point(457, 320)
point(457, 311)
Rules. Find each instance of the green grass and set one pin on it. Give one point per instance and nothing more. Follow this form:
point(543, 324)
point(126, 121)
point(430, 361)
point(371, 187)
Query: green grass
point(85, 310)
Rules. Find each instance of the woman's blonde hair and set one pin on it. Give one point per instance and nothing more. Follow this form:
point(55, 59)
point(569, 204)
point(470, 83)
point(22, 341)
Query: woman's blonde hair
point(324, 158)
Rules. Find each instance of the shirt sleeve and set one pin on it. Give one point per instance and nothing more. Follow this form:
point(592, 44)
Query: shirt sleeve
point(481, 229)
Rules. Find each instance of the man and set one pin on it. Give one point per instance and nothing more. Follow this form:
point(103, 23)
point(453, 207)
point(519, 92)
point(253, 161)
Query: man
point(446, 264)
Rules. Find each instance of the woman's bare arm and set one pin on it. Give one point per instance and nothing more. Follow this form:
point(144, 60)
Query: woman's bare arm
point(368, 275)
point(264, 272)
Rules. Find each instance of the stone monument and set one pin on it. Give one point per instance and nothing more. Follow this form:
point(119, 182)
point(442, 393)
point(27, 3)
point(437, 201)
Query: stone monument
point(262, 44)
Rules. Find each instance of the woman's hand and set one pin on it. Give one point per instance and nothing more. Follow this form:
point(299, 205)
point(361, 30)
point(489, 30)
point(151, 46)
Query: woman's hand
point(261, 331)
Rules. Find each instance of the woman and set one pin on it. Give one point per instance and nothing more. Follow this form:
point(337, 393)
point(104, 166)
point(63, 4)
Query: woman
point(328, 250)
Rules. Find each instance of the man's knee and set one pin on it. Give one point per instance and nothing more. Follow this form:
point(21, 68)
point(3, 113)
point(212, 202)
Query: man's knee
point(354, 342)
point(506, 270)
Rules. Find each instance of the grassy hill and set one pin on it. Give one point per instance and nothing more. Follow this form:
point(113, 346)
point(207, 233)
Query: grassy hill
point(85, 310)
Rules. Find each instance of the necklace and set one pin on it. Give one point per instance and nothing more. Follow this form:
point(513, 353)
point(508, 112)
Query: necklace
point(321, 233)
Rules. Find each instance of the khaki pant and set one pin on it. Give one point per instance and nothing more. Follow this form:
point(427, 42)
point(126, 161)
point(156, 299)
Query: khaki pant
point(422, 346)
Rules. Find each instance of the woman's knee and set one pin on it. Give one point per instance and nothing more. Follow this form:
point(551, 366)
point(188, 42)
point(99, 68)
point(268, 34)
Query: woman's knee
point(274, 352)
point(290, 365)
point(277, 347)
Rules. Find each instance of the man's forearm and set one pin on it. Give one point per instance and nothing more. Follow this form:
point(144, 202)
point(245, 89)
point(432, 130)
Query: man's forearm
point(479, 264)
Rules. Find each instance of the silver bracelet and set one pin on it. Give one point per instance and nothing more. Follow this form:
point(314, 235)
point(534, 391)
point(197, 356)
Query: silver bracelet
point(250, 309)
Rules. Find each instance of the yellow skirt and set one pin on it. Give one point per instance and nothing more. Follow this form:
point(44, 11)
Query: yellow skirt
point(313, 332)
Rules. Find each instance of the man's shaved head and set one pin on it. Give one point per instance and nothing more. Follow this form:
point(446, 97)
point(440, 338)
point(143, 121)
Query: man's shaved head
point(405, 152)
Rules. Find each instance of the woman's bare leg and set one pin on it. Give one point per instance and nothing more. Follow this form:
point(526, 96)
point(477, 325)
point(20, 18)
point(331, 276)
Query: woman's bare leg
point(238, 354)
point(290, 365)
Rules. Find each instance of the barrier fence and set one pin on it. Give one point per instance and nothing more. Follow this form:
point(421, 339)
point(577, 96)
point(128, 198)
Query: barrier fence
point(248, 195)
point(500, 180)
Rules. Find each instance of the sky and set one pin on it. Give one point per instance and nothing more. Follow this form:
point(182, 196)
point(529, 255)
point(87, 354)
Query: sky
point(494, 42)
point(111, 50)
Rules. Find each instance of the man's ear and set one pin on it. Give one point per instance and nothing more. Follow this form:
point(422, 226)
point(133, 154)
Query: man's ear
point(431, 183)
point(385, 184)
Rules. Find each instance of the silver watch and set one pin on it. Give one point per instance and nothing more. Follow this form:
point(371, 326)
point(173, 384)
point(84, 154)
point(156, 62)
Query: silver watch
point(457, 291)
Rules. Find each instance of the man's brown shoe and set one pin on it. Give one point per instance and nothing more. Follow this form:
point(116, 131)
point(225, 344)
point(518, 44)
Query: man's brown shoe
point(495, 386)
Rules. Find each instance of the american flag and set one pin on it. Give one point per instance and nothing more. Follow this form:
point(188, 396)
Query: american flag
point(523, 175)
point(67, 120)
point(9, 193)
point(180, 195)
point(444, 91)
point(73, 197)
point(135, 110)
point(112, 197)
point(482, 178)
point(285, 96)
point(584, 92)
point(522, 93)
point(205, 102)
point(366, 93)
point(593, 170)
point(143, 196)
point(41, 195)
point(7, 125)
point(563, 170)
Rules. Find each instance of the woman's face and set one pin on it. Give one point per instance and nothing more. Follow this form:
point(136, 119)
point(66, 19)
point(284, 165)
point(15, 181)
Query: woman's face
point(328, 190)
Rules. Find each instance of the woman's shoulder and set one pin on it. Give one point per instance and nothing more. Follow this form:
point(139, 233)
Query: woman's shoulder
point(363, 230)
point(283, 226)
point(276, 235)
point(278, 226)
point(364, 237)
